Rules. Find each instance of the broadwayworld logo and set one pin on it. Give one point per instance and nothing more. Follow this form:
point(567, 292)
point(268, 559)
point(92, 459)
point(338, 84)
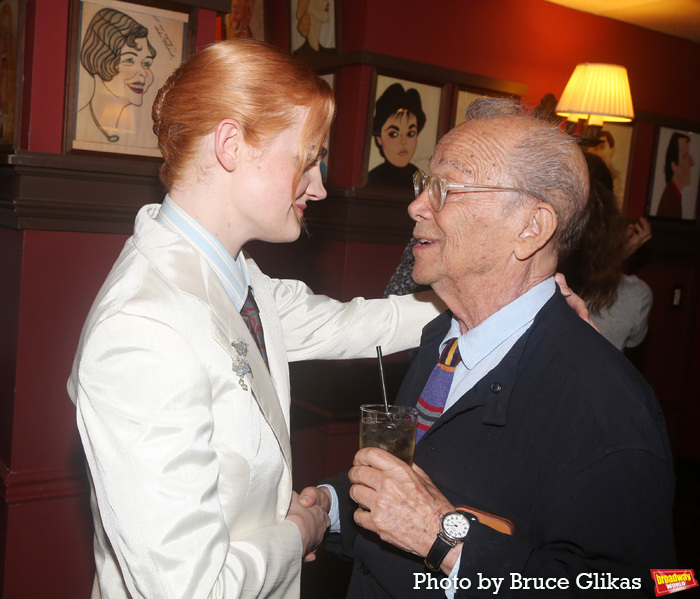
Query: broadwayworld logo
point(672, 581)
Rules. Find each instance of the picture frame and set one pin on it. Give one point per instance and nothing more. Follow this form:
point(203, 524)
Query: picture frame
point(314, 28)
point(244, 19)
point(12, 18)
point(330, 79)
point(675, 177)
point(616, 150)
point(108, 110)
point(464, 96)
point(395, 163)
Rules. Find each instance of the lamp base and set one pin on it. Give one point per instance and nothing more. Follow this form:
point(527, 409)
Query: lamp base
point(585, 133)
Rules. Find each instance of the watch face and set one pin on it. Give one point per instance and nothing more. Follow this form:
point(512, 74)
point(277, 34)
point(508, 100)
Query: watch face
point(455, 525)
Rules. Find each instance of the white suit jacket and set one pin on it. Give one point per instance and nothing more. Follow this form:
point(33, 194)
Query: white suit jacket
point(190, 471)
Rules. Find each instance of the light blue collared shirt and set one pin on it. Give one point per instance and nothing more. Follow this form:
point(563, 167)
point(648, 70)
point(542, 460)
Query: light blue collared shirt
point(483, 347)
point(232, 272)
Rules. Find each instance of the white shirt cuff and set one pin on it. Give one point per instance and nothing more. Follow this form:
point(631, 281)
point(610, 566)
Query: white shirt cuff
point(334, 512)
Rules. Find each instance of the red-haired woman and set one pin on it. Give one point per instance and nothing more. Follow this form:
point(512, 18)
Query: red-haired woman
point(183, 407)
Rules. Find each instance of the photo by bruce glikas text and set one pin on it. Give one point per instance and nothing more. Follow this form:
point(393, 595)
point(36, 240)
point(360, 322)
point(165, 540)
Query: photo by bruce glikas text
point(592, 581)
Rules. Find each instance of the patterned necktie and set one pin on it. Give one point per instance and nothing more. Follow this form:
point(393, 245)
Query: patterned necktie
point(431, 402)
point(251, 315)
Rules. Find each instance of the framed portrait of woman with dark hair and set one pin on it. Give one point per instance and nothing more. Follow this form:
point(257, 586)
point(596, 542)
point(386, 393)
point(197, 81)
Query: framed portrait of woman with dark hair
point(403, 128)
point(121, 54)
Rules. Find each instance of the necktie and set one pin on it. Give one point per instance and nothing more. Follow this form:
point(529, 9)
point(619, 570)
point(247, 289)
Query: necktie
point(251, 315)
point(431, 402)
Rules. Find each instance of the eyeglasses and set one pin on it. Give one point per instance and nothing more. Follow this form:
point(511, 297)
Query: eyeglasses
point(438, 188)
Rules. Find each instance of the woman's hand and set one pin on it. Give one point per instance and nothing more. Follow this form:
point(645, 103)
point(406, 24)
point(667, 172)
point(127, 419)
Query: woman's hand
point(312, 522)
point(638, 233)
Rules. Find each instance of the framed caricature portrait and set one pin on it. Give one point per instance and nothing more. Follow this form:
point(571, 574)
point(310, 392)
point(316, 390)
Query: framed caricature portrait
point(313, 29)
point(675, 175)
point(246, 19)
point(614, 149)
point(463, 98)
point(403, 128)
point(330, 79)
point(122, 53)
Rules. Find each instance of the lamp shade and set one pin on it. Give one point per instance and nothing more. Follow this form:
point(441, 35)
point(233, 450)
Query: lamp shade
point(597, 92)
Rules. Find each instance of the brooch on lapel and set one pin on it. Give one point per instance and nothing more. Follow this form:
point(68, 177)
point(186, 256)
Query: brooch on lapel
point(240, 364)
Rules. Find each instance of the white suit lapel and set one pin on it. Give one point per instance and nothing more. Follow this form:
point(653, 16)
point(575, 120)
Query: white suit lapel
point(258, 379)
point(186, 268)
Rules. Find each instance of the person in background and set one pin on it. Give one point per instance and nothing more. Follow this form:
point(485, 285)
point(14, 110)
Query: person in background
point(398, 120)
point(525, 412)
point(619, 304)
point(181, 379)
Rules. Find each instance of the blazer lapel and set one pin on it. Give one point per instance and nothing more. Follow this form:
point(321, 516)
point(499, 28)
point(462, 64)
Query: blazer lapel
point(186, 268)
point(228, 328)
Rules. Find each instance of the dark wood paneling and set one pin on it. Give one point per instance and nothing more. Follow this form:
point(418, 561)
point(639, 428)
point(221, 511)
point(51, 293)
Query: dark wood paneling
point(102, 195)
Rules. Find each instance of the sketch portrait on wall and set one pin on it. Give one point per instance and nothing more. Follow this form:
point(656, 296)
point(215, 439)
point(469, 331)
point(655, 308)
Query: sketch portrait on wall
point(674, 189)
point(313, 26)
point(126, 53)
point(246, 20)
point(615, 143)
point(403, 131)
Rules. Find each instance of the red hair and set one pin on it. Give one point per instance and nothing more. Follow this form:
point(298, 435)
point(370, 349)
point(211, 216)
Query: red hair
point(250, 81)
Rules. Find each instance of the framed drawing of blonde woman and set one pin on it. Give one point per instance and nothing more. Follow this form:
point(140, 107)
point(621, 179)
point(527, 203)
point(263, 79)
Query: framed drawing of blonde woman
point(121, 54)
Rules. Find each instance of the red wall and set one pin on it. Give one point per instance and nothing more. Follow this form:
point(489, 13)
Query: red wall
point(52, 277)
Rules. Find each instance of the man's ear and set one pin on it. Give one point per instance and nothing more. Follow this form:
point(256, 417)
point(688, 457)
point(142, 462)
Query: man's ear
point(538, 230)
point(228, 140)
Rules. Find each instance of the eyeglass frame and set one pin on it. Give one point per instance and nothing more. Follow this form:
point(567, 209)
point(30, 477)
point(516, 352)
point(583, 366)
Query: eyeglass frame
point(421, 179)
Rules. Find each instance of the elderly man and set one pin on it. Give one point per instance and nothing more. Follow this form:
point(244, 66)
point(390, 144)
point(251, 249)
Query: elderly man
point(545, 425)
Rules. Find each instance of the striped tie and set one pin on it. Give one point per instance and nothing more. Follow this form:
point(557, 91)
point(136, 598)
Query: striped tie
point(251, 316)
point(431, 402)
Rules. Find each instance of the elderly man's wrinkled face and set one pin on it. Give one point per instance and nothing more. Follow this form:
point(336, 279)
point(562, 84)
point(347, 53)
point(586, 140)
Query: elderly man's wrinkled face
point(471, 238)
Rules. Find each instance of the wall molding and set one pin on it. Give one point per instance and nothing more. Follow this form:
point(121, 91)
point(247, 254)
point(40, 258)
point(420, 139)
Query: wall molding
point(98, 194)
point(23, 487)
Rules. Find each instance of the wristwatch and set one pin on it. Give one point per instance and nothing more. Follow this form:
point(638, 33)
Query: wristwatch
point(454, 527)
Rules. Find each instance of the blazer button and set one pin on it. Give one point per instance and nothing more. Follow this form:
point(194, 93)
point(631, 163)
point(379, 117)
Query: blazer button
point(364, 569)
point(496, 387)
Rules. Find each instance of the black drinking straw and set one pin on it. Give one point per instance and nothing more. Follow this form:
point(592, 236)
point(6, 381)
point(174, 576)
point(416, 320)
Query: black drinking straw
point(381, 375)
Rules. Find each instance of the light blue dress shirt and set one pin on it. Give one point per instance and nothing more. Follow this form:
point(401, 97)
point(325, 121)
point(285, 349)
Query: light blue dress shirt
point(232, 272)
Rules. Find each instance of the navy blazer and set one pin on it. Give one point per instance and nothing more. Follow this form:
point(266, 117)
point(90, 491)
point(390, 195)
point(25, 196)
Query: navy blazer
point(565, 439)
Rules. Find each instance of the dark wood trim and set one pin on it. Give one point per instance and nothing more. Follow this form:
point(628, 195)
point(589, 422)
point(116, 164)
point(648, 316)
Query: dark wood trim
point(402, 68)
point(666, 121)
point(102, 194)
point(22, 487)
point(75, 193)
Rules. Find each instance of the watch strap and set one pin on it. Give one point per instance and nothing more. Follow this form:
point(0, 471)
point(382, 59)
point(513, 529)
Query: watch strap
point(441, 547)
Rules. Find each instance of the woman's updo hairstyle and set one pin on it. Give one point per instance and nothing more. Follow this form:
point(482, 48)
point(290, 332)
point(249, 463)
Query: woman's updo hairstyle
point(256, 84)
point(107, 34)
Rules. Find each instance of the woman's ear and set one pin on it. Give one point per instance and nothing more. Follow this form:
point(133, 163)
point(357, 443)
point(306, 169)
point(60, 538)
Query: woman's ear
point(228, 140)
point(538, 230)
